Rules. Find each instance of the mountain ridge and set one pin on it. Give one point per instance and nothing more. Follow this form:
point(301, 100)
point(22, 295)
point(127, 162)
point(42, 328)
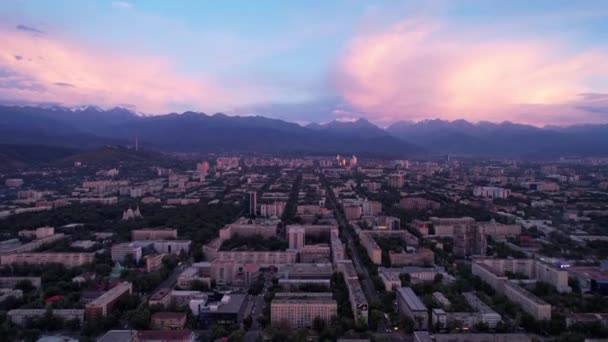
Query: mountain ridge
point(187, 132)
point(190, 131)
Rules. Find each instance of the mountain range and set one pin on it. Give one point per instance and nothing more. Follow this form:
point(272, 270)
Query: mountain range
point(89, 127)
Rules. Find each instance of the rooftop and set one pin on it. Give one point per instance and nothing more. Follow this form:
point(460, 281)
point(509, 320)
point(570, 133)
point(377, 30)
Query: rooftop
point(477, 303)
point(225, 303)
point(169, 315)
point(411, 299)
point(118, 336)
point(164, 335)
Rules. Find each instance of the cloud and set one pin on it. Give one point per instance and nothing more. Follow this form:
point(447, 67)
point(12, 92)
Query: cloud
point(418, 69)
point(63, 84)
point(30, 29)
point(122, 4)
point(596, 103)
point(71, 73)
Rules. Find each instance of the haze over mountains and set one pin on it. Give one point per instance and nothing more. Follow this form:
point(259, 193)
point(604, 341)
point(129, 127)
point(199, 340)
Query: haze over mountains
point(90, 127)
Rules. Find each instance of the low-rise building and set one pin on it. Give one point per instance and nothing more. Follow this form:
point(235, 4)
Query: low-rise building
point(168, 320)
point(442, 300)
point(491, 192)
point(154, 234)
point(11, 282)
point(21, 316)
point(68, 260)
point(487, 315)
point(122, 250)
point(424, 336)
point(165, 336)
point(218, 308)
point(161, 297)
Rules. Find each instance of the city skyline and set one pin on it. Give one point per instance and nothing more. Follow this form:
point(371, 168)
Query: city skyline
point(541, 63)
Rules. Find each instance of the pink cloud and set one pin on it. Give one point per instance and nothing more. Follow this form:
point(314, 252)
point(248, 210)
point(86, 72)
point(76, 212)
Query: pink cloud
point(415, 70)
point(43, 68)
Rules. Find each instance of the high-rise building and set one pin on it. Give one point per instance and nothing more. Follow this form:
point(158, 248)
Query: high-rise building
point(352, 211)
point(469, 239)
point(253, 203)
point(371, 208)
point(296, 237)
point(203, 167)
point(396, 180)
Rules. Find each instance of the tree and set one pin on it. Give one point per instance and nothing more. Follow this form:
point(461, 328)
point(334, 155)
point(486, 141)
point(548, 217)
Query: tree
point(482, 327)
point(236, 336)
point(103, 270)
point(247, 322)
point(218, 331)
point(140, 318)
point(25, 286)
point(406, 324)
point(438, 278)
point(405, 279)
point(318, 324)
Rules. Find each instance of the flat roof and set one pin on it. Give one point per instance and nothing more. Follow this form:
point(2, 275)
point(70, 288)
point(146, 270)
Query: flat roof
point(118, 336)
point(307, 268)
point(411, 299)
point(233, 305)
point(477, 303)
point(169, 315)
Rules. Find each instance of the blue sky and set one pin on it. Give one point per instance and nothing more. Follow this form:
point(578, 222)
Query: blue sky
point(314, 60)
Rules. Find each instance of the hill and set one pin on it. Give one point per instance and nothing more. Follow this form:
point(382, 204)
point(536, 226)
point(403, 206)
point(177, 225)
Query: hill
point(19, 156)
point(111, 155)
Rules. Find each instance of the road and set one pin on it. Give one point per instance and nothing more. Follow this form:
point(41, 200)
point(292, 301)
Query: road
point(257, 311)
point(367, 284)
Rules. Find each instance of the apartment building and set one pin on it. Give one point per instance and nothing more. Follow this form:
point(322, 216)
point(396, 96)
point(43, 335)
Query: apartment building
point(274, 209)
point(161, 297)
point(410, 305)
point(168, 320)
point(301, 309)
point(38, 233)
point(419, 257)
point(487, 315)
point(533, 305)
point(248, 227)
point(11, 282)
point(33, 245)
point(531, 268)
point(445, 226)
point(102, 305)
point(154, 234)
point(22, 316)
point(371, 246)
point(120, 251)
point(491, 192)
point(357, 299)
point(68, 260)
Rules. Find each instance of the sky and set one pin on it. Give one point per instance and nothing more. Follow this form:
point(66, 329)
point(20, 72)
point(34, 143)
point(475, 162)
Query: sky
point(534, 62)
